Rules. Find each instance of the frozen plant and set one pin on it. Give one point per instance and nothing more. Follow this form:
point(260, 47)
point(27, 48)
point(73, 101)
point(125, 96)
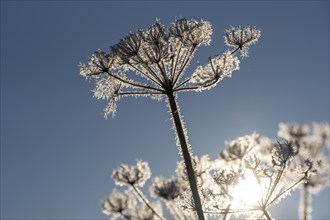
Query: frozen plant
point(251, 174)
point(312, 142)
point(160, 56)
point(124, 204)
point(248, 185)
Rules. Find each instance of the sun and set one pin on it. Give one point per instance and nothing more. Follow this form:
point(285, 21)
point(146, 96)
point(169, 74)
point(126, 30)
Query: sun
point(247, 192)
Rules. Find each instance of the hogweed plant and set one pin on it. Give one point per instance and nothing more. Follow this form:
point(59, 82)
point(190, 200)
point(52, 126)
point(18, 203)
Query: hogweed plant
point(152, 63)
point(251, 174)
point(160, 57)
point(312, 142)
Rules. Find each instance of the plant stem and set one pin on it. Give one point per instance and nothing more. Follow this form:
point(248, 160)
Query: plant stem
point(140, 195)
point(266, 214)
point(186, 155)
point(305, 200)
point(226, 210)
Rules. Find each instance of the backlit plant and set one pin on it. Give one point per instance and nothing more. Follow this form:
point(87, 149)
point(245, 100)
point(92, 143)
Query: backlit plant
point(152, 63)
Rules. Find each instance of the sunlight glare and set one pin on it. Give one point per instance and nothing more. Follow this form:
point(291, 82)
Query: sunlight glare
point(247, 192)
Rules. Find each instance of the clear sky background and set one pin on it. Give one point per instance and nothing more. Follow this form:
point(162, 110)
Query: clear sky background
point(57, 150)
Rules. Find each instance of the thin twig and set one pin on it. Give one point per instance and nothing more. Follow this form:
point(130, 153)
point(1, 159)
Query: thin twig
point(145, 201)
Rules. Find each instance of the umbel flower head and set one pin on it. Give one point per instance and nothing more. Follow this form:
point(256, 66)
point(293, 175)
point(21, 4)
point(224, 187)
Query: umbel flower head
point(118, 203)
point(132, 175)
point(168, 189)
point(249, 186)
point(240, 148)
point(242, 37)
point(160, 57)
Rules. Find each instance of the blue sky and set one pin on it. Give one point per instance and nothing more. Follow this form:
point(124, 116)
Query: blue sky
point(57, 150)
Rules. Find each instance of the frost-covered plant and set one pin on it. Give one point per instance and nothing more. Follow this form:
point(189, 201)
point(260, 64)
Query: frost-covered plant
point(251, 174)
point(312, 142)
point(160, 56)
point(122, 204)
point(247, 184)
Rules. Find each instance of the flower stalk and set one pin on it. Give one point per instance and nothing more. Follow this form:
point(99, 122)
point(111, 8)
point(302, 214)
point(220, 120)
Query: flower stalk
point(266, 214)
point(186, 154)
point(160, 56)
point(140, 195)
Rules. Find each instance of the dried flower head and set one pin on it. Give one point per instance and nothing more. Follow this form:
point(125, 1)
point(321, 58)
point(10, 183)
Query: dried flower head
point(321, 133)
point(242, 37)
point(292, 132)
point(216, 69)
point(191, 32)
point(160, 56)
point(283, 153)
point(100, 62)
point(128, 48)
point(132, 175)
point(118, 203)
point(240, 148)
point(169, 189)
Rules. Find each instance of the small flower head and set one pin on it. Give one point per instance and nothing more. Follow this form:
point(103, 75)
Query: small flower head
point(128, 49)
point(283, 153)
point(242, 37)
point(191, 32)
point(240, 148)
point(169, 189)
point(100, 62)
point(321, 133)
point(293, 132)
point(216, 69)
point(155, 47)
point(319, 178)
point(132, 175)
point(118, 203)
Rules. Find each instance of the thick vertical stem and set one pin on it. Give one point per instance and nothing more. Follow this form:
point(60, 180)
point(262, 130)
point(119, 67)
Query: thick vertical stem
point(186, 155)
point(305, 200)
